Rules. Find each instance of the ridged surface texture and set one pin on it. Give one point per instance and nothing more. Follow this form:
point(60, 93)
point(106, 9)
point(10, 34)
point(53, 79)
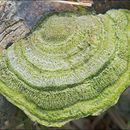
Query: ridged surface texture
point(73, 65)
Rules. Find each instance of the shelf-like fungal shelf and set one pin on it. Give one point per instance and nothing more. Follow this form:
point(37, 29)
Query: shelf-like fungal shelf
point(73, 65)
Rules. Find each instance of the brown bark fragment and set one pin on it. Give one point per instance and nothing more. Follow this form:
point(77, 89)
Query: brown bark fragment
point(12, 31)
point(2, 5)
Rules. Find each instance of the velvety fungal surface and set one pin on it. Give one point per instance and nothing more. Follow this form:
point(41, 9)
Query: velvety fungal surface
point(72, 66)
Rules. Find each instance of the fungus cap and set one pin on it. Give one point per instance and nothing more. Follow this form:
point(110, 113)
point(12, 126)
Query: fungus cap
point(72, 66)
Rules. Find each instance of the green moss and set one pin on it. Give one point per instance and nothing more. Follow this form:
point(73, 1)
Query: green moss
point(73, 65)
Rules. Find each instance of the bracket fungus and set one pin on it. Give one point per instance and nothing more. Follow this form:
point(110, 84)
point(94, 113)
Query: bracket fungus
point(73, 65)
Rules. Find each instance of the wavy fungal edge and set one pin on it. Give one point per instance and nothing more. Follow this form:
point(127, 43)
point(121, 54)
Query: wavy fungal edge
point(108, 98)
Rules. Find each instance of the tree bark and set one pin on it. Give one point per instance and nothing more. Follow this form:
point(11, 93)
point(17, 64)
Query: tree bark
point(11, 29)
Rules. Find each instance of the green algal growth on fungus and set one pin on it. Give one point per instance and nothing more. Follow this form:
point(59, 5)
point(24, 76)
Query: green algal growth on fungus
point(71, 67)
